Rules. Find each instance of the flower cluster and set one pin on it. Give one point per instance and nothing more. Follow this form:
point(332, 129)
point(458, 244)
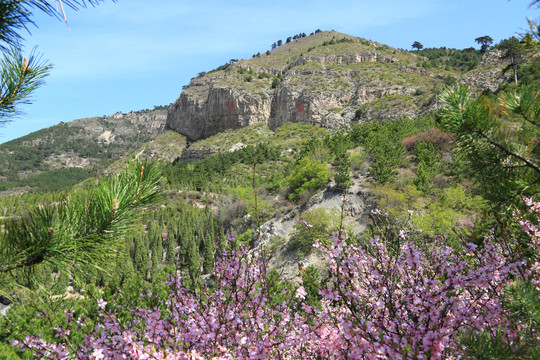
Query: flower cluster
point(413, 305)
point(230, 319)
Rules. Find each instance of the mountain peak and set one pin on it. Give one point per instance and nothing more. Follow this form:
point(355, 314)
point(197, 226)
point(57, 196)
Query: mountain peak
point(323, 79)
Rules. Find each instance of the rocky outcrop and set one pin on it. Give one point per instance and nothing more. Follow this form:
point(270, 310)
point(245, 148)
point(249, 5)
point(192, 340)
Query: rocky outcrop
point(293, 104)
point(108, 129)
point(214, 109)
point(287, 260)
point(345, 59)
point(489, 74)
point(87, 143)
point(321, 90)
point(322, 87)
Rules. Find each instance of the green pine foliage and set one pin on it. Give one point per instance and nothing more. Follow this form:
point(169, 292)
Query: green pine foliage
point(495, 146)
point(208, 253)
point(311, 281)
point(140, 256)
point(19, 76)
point(383, 143)
point(499, 140)
point(454, 59)
point(307, 177)
point(154, 269)
point(170, 259)
point(427, 158)
point(204, 174)
point(84, 227)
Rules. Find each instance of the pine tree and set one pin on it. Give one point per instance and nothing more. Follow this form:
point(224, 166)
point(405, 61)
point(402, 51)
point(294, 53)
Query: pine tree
point(124, 270)
point(20, 75)
point(140, 256)
point(154, 270)
point(171, 252)
point(193, 258)
point(159, 248)
point(208, 253)
point(498, 141)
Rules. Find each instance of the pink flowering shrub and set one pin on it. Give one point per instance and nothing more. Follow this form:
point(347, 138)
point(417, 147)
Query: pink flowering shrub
point(440, 139)
point(413, 305)
point(231, 319)
point(530, 223)
point(379, 304)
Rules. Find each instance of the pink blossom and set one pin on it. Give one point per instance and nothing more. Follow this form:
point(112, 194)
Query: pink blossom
point(301, 293)
point(101, 304)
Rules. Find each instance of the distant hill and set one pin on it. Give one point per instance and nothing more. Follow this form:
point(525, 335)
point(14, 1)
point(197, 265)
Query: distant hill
point(67, 153)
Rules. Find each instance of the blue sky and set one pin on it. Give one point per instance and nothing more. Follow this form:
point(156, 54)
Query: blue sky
point(134, 54)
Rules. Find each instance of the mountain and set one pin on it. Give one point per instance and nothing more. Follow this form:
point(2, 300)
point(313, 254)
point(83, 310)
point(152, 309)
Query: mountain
point(327, 79)
point(250, 162)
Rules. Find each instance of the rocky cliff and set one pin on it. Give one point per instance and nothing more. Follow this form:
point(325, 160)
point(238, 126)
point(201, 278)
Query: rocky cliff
point(327, 79)
point(120, 127)
point(489, 73)
point(211, 108)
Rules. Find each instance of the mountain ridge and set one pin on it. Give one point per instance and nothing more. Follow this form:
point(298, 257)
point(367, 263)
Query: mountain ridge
point(327, 79)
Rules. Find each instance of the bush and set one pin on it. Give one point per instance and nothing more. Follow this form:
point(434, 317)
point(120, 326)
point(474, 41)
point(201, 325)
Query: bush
point(358, 161)
point(427, 158)
point(440, 139)
point(441, 300)
point(308, 176)
point(321, 225)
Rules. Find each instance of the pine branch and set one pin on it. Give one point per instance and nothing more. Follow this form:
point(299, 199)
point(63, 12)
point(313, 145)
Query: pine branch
point(19, 77)
point(509, 152)
point(81, 229)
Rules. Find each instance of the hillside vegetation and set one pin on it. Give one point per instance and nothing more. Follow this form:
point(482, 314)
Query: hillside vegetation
point(65, 154)
point(420, 196)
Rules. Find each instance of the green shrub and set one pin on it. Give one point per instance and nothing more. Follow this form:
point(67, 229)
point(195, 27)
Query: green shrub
point(455, 208)
point(358, 161)
point(261, 208)
point(427, 157)
point(307, 176)
point(264, 75)
point(342, 176)
point(322, 223)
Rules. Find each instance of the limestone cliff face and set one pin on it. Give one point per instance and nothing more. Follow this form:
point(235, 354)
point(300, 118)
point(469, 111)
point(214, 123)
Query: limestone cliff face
point(328, 79)
point(213, 109)
point(345, 58)
point(293, 103)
